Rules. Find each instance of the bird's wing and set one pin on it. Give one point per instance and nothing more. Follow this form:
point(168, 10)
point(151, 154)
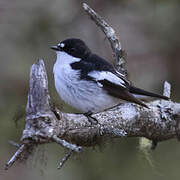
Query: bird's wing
point(114, 85)
point(107, 76)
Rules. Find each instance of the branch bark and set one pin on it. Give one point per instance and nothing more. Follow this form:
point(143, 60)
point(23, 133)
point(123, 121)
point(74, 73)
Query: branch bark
point(45, 124)
point(118, 52)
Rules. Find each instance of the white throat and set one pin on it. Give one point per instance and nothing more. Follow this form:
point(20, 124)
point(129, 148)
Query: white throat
point(64, 58)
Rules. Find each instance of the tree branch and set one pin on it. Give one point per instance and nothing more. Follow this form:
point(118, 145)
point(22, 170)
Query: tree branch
point(45, 124)
point(119, 54)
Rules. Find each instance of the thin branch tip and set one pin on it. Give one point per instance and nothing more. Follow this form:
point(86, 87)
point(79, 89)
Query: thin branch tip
point(14, 143)
point(64, 159)
point(119, 58)
point(167, 89)
point(66, 144)
point(15, 157)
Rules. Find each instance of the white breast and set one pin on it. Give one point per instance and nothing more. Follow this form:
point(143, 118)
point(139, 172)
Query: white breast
point(80, 94)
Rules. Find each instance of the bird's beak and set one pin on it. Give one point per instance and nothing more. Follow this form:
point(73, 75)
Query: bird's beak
point(56, 48)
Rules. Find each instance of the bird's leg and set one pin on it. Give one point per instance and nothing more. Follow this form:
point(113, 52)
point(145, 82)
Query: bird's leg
point(91, 119)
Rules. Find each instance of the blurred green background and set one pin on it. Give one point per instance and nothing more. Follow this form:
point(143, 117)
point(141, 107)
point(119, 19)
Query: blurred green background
point(150, 33)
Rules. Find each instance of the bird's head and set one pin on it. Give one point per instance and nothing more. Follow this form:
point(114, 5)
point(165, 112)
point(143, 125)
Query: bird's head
point(74, 47)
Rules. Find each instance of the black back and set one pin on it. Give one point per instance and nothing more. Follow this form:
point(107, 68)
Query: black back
point(91, 63)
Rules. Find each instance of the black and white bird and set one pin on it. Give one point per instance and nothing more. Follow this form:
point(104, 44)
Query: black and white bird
point(88, 82)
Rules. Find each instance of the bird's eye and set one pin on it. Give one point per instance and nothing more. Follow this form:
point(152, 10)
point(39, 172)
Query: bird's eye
point(61, 45)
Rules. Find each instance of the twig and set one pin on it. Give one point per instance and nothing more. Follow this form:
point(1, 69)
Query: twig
point(15, 157)
point(119, 54)
point(66, 144)
point(64, 159)
point(14, 143)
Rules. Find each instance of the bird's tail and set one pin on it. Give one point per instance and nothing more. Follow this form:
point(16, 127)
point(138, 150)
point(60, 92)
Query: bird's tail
point(138, 91)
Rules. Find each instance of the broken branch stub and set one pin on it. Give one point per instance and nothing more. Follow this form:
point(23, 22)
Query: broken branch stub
point(38, 96)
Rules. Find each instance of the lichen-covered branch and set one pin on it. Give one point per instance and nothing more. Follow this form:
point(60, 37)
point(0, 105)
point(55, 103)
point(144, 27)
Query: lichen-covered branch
point(118, 52)
point(160, 122)
point(45, 124)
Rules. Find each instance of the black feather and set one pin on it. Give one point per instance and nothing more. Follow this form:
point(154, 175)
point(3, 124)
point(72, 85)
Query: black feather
point(139, 91)
point(120, 92)
point(91, 63)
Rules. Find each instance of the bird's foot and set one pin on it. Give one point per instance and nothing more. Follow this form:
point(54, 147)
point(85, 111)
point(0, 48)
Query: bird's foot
point(91, 119)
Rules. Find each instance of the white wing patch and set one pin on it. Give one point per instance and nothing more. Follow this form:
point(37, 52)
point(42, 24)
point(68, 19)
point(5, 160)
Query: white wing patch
point(120, 73)
point(102, 75)
point(99, 84)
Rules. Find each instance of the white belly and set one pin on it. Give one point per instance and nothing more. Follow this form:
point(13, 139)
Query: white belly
point(80, 94)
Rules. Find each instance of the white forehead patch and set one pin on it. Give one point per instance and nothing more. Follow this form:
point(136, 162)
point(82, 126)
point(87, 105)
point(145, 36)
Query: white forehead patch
point(61, 45)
